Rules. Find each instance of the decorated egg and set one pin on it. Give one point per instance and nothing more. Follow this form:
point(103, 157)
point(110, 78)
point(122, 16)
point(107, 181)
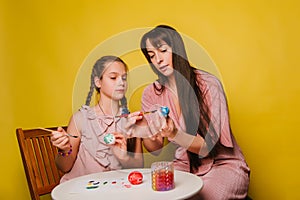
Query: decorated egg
point(109, 138)
point(135, 177)
point(164, 110)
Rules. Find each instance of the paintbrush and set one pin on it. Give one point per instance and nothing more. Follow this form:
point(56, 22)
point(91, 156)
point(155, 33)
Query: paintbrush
point(49, 130)
point(140, 114)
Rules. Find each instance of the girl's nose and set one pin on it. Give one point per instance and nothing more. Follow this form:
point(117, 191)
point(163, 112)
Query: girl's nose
point(120, 80)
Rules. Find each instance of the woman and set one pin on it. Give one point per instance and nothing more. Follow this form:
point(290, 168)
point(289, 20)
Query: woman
point(88, 153)
point(198, 122)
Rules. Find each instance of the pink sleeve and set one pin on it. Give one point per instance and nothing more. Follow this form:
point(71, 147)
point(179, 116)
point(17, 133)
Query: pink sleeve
point(151, 101)
point(217, 103)
point(148, 98)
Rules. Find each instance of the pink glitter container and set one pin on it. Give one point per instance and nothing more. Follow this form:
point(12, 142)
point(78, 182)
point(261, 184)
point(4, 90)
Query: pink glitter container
point(162, 176)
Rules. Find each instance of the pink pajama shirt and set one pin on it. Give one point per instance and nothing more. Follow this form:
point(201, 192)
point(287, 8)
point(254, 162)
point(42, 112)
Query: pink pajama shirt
point(226, 175)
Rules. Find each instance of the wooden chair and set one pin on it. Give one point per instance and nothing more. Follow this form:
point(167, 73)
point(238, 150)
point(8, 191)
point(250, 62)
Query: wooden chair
point(38, 156)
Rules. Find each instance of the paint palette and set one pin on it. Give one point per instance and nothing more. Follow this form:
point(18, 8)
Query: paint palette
point(92, 184)
point(120, 183)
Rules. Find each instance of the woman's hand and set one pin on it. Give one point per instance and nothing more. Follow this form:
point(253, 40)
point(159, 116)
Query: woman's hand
point(60, 139)
point(129, 123)
point(169, 130)
point(156, 121)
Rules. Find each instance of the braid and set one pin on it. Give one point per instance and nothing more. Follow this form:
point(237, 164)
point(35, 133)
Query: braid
point(124, 106)
point(90, 94)
point(89, 97)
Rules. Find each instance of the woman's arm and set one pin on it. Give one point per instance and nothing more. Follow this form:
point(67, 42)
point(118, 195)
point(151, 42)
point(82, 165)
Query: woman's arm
point(218, 128)
point(144, 130)
point(154, 144)
point(137, 126)
point(195, 144)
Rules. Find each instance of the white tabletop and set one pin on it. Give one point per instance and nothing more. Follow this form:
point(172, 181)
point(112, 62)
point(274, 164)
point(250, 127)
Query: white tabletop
point(114, 185)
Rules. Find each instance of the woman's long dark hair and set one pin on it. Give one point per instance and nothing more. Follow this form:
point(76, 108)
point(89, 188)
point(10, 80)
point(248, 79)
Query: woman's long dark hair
point(97, 71)
point(191, 97)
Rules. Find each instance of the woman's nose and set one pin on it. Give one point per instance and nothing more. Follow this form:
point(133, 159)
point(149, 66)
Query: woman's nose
point(159, 58)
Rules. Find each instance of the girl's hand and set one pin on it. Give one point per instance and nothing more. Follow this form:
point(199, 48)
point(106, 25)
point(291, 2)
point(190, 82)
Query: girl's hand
point(119, 148)
point(120, 141)
point(60, 139)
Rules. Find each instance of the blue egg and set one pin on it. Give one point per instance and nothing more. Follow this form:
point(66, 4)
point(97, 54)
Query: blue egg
point(164, 110)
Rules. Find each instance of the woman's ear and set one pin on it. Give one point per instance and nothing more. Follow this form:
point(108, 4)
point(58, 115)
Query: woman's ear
point(97, 82)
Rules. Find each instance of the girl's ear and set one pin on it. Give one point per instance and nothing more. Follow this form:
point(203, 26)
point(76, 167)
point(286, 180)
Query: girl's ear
point(97, 82)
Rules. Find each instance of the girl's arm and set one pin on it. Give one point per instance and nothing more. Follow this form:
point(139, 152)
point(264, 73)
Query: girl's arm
point(67, 145)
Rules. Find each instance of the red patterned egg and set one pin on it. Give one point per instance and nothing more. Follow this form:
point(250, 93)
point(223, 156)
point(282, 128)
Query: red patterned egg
point(135, 177)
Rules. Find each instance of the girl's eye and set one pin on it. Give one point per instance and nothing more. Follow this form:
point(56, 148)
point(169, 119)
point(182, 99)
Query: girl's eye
point(124, 78)
point(113, 77)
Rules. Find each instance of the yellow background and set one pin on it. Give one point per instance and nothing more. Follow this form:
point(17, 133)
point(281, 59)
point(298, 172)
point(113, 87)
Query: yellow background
point(255, 45)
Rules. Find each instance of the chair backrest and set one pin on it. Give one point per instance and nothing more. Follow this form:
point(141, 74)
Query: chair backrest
point(38, 156)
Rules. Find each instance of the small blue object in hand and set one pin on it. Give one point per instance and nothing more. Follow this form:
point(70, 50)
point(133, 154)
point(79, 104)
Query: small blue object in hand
point(165, 111)
point(109, 138)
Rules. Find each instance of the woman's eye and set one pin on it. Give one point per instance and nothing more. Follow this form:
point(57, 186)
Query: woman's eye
point(151, 56)
point(163, 50)
point(113, 78)
point(124, 78)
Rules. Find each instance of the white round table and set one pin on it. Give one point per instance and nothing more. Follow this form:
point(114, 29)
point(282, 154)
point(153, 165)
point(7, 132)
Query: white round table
point(113, 185)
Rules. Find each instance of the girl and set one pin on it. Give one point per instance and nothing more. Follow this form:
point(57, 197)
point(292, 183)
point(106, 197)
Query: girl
point(198, 122)
point(88, 153)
